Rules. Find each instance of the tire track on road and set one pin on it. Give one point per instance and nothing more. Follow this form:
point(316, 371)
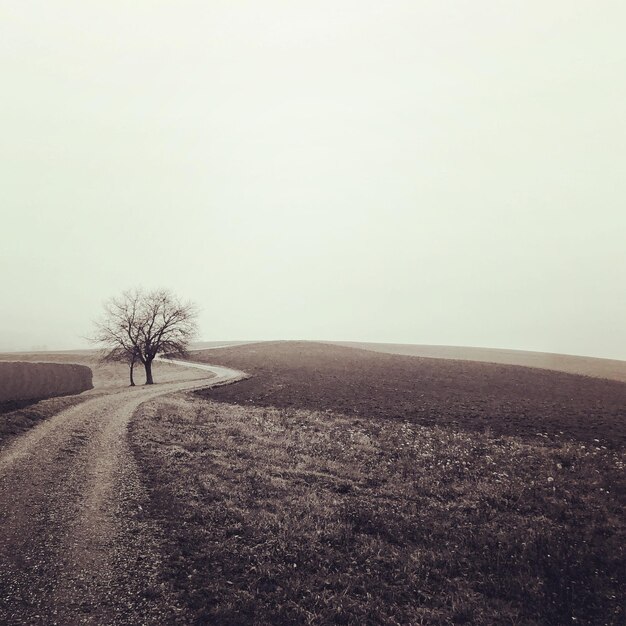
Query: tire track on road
point(75, 547)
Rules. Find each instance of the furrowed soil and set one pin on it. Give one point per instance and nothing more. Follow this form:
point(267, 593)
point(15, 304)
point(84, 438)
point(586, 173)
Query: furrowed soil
point(339, 486)
point(583, 365)
point(465, 395)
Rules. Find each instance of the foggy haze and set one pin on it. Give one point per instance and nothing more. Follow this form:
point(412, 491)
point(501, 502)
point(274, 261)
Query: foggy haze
point(435, 172)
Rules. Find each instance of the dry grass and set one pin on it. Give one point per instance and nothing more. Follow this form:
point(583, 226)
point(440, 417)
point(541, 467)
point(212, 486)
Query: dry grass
point(287, 516)
point(20, 417)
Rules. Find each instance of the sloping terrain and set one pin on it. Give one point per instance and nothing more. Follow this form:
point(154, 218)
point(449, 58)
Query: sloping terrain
point(572, 364)
point(466, 395)
point(339, 486)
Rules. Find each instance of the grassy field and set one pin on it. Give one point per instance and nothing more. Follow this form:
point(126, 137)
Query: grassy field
point(347, 487)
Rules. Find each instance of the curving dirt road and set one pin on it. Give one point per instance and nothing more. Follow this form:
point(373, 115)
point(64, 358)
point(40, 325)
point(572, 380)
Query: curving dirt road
point(75, 547)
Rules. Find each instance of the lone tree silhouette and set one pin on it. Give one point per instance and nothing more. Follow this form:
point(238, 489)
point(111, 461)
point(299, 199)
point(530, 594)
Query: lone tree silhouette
point(139, 325)
point(123, 355)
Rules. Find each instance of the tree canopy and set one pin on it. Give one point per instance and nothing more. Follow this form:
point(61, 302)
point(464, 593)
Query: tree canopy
point(138, 325)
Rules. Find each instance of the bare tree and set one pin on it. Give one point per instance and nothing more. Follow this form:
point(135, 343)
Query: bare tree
point(119, 331)
point(167, 325)
point(123, 355)
point(139, 325)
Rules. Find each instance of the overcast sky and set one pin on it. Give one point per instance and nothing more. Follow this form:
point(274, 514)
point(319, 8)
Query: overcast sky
point(435, 171)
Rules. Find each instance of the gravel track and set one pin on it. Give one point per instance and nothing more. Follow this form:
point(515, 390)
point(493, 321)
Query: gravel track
point(75, 545)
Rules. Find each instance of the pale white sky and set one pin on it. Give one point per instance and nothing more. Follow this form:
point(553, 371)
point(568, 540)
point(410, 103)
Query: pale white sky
point(441, 172)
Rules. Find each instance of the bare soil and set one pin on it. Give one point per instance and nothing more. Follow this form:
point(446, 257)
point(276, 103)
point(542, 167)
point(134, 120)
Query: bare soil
point(572, 364)
point(471, 396)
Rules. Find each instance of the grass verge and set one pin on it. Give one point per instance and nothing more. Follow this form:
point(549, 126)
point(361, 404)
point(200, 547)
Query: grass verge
point(27, 415)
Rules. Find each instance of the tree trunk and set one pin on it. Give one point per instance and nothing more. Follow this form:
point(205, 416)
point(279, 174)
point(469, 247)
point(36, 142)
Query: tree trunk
point(148, 366)
point(132, 366)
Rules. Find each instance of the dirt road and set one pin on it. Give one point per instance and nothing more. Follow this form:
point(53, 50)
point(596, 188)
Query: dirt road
point(75, 547)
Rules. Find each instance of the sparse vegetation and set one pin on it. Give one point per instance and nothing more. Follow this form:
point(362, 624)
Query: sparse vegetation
point(370, 510)
point(283, 516)
point(18, 417)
